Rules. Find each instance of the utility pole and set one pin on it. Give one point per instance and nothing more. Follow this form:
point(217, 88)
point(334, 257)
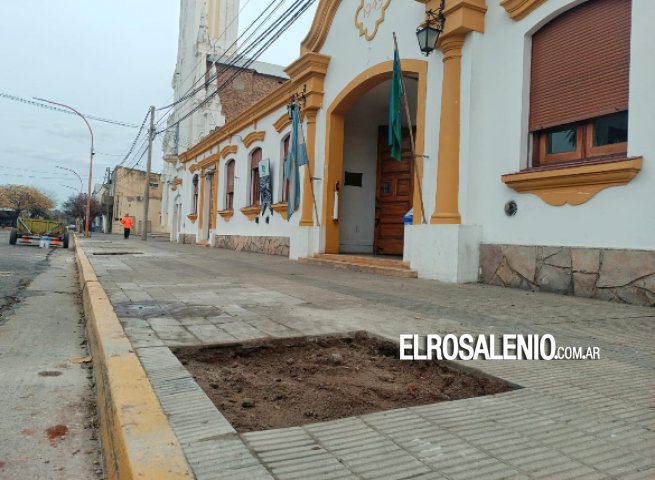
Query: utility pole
point(146, 192)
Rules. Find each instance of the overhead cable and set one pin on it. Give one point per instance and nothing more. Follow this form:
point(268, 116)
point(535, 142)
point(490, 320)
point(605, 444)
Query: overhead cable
point(63, 110)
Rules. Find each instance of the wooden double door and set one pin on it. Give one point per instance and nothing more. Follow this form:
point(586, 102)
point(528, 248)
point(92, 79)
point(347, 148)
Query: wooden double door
point(393, 194)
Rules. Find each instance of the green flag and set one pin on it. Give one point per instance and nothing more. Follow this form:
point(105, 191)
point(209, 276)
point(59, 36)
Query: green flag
point(395, 136)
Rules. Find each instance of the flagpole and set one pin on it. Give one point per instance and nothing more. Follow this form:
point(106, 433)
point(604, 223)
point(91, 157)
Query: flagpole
point(411, 132)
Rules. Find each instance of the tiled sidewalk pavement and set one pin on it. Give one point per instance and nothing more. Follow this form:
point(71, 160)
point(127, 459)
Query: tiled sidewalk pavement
point(573, 419)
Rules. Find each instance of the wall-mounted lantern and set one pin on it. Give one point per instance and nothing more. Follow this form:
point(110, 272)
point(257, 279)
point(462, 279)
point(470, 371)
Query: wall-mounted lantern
point(428, 32)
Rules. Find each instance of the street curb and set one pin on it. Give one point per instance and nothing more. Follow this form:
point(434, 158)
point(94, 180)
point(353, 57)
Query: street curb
point(137, 439)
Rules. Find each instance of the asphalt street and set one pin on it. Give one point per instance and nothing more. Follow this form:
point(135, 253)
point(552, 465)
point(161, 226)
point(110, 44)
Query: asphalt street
point(18, 265)
point(47, 404)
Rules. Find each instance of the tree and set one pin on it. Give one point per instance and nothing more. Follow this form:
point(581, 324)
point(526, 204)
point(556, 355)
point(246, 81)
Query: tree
point(75, 206)
point(24, 200)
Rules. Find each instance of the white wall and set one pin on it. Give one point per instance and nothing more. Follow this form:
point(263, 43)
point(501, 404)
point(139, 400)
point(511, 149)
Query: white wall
point(239, 224)
point(357, 215)
point(496, 80)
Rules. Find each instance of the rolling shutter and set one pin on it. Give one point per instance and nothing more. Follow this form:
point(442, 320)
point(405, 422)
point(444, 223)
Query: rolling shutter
point(580, 64)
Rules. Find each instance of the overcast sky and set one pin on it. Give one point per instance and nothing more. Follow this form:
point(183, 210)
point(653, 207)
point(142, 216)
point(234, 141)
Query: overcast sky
point(108, 58)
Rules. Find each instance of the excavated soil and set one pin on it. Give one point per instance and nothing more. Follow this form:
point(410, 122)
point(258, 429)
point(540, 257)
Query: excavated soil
point(291, 382)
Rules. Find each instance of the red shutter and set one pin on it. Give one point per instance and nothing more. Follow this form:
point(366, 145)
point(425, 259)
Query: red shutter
point(230, 176)
point(580, 64)
point(255, 158)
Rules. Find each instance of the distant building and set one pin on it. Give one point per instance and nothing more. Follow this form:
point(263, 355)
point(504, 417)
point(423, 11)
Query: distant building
point(126, 192)
point(102, 195)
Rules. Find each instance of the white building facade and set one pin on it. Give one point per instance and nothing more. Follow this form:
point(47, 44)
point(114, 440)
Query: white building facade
point(532, 147)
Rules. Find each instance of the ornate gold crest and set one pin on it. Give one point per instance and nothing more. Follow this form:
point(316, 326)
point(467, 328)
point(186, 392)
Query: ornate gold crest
point(369, 16)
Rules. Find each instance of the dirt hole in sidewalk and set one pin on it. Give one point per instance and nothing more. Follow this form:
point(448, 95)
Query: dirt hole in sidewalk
point(290, 382)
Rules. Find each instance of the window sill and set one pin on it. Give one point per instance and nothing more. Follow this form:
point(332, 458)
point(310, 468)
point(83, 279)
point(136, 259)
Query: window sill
point(281, 208)
point(226, 214)
point(251, 212)
point(573, 184)
point(193, 217)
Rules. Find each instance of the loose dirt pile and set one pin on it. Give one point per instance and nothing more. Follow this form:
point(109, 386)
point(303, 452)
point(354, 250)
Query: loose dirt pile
point(292, 382)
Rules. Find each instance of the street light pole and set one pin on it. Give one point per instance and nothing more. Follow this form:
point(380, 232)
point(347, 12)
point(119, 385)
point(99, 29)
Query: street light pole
point(88, 197)
point(72, 171)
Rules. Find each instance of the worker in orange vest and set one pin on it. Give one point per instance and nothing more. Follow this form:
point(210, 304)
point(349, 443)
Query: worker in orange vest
point(126, 221)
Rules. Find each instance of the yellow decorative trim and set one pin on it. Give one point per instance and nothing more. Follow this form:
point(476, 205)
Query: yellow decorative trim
point(446, 205)
point(320, 28)
point(574, 185)
point(281, 123)
point(367, 9)
point(281, 208)
point(209, 161)
point(193, 217)
point(201, 208)
point(176, 181)
point(518, 9)
point(214, 198)
point(334, 136)
point(253, 137)
point(251, 212)
point(193, 168)
point(226, 214)
point(228, 150)
point(462, 16)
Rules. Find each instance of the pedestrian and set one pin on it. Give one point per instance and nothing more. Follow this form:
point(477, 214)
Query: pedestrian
point(126, 221)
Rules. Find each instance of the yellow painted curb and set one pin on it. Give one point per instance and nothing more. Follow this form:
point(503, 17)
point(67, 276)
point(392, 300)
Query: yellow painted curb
point(137, 440)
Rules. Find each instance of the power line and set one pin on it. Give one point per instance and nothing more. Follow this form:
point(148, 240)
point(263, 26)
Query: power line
point(143, 148)
point(136, 139)
point(54, 177)
point(62, 110)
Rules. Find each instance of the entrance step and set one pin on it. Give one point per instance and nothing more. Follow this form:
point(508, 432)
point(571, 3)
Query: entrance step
point(204, 243)
point(359, 263)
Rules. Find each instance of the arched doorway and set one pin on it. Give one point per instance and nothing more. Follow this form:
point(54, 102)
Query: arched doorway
point(367, 87)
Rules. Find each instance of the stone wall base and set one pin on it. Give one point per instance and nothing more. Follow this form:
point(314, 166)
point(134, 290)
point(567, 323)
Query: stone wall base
point(626, 276)
point(187, 238)
point(257, 244)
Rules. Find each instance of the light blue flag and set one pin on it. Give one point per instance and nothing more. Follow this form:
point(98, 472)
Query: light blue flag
point(296, 158)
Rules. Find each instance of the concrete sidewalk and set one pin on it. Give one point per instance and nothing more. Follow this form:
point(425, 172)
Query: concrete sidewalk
point(572, 419)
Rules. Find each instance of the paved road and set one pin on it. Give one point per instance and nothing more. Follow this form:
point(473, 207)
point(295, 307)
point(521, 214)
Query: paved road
point(17, 267)
point(46, 396)
point(572, 420)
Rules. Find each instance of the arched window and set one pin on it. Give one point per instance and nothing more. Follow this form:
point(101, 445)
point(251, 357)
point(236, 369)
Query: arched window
point(195, 194)
point(229, 185)
point(255, 158)
point(284, 184)
point(579, 84)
